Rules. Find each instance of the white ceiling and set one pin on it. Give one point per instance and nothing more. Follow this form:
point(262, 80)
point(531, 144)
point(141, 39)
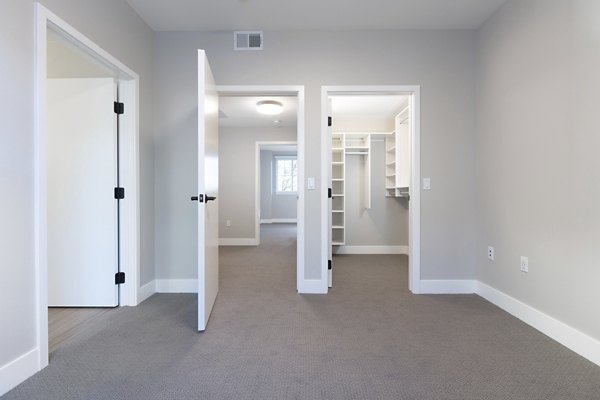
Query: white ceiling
point(240, 112)
point(366, 113)
point(216, 15)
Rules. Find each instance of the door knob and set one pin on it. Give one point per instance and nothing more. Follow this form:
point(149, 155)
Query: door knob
point(200, 198)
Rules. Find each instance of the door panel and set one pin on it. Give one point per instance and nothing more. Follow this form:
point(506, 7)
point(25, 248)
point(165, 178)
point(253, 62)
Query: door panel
point(82, 211)
point(208, 188)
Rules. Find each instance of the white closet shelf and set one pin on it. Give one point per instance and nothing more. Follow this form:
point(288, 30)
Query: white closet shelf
point(338, 195)
point(391, 149)
point(338, 163)
point(337, 243)
point(391, 163)
point(337, 227)
point(338, 180)
point(357, 148)
point(337, 211)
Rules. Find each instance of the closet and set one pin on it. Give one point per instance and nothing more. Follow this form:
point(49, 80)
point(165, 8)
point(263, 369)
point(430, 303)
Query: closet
point(370, 173)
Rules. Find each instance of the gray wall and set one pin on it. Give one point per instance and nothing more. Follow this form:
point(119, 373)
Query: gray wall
point(537, 156)
point(442, 62)
point(107, 23)
point(273, 205)
point(386, 222)
point(237, 153)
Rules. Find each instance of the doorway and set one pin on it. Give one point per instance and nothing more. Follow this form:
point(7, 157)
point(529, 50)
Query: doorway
point(70, 67)
point(239, 105)
point(370, 142)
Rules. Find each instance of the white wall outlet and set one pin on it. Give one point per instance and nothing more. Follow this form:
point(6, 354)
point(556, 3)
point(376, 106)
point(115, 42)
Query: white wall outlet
point(426, 183)
point(228, 223)
point(491, 253)
point(524, 264)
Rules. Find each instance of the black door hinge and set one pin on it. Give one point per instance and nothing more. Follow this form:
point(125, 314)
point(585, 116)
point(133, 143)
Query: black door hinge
point(119, 108)
point(329, 266)
point(119, 193)
point(119, 278)
point(329, 193)
point(329, 121)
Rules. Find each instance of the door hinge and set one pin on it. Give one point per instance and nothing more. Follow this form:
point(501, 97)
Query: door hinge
point(119, 193)
point(329, 265)
point(329, 193)
point(329, 121)
point(119, 278)
point(119, 108)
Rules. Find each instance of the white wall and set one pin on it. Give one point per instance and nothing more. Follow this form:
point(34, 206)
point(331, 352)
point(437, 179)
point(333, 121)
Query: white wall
point(272, 205)
point(442, 62)
point(537, 156)
point(386, 222)
point(107, 23)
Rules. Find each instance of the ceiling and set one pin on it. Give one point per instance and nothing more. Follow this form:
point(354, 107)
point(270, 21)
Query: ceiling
point(240, 112)
point(366, 113)
point(228, 15)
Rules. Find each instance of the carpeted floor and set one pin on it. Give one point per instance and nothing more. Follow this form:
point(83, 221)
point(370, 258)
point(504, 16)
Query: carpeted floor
point(368, 339)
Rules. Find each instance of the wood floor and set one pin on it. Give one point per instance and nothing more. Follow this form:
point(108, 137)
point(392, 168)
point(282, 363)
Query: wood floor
point(65, 324)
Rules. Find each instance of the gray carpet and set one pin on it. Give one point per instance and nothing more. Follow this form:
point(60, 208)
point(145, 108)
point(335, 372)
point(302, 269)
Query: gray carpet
point(368, 339)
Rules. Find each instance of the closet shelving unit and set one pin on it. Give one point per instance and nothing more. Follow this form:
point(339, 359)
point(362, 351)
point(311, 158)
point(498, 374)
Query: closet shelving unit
point(344, 145)
point(338, 185)
point(397, 156)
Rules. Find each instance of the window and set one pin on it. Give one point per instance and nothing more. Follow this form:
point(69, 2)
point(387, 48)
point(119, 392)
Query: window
point(286, 175)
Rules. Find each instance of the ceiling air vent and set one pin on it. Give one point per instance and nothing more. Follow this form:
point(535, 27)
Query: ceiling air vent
point(247, 40)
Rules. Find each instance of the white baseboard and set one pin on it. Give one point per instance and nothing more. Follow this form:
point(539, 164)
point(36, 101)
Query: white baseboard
point(569, 337)
point(238, 242)
point(279, 221)
point(176, 286)
point(448, 286)
point(17, 371)
point(371, 250)
point(146, 291)
point(312, 286)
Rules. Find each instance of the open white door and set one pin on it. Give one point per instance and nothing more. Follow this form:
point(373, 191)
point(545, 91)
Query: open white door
point(208, 190)
point(82, 175)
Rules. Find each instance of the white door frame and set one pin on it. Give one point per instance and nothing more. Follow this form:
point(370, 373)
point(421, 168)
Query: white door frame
point(292, 90)
point(414, 234)
point(257, 181)
point(130, 207)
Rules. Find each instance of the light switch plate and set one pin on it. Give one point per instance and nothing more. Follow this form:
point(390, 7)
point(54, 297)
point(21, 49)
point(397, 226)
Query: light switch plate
point(426, 183)
point(310, 184)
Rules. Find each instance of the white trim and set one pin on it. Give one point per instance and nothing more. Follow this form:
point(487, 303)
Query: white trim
point(569, 337)
point(448, 286)
point(129, 92)
point(238, 242)
point(371, 250)
point(279, 221)
point(414, 259)
point(312, 286)
point(176, 285)
point(146, 291)
point(298, 91)
point(18, 370)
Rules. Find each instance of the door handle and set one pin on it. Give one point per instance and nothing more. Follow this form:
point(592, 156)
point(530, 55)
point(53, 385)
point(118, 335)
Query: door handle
point(200, 198)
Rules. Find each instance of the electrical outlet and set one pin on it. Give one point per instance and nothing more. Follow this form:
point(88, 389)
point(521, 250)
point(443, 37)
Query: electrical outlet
point(524, 264)
point(491, 253)
point(228, 223)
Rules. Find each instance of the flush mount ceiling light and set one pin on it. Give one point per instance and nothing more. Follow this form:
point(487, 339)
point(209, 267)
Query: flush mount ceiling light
point(269, 107)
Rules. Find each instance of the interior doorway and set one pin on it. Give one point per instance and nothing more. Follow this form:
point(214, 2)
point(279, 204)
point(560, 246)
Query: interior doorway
point(268, 149)
point(86, 229)
point(371, 158)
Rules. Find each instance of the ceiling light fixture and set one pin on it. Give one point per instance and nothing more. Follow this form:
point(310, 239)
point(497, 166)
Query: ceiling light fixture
point(269, 107)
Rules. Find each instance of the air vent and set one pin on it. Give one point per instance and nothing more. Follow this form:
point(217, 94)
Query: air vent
point(247, 40)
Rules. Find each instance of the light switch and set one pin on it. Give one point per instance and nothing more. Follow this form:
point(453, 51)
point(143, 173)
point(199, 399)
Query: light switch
point(310, 184)
point(426, 183)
